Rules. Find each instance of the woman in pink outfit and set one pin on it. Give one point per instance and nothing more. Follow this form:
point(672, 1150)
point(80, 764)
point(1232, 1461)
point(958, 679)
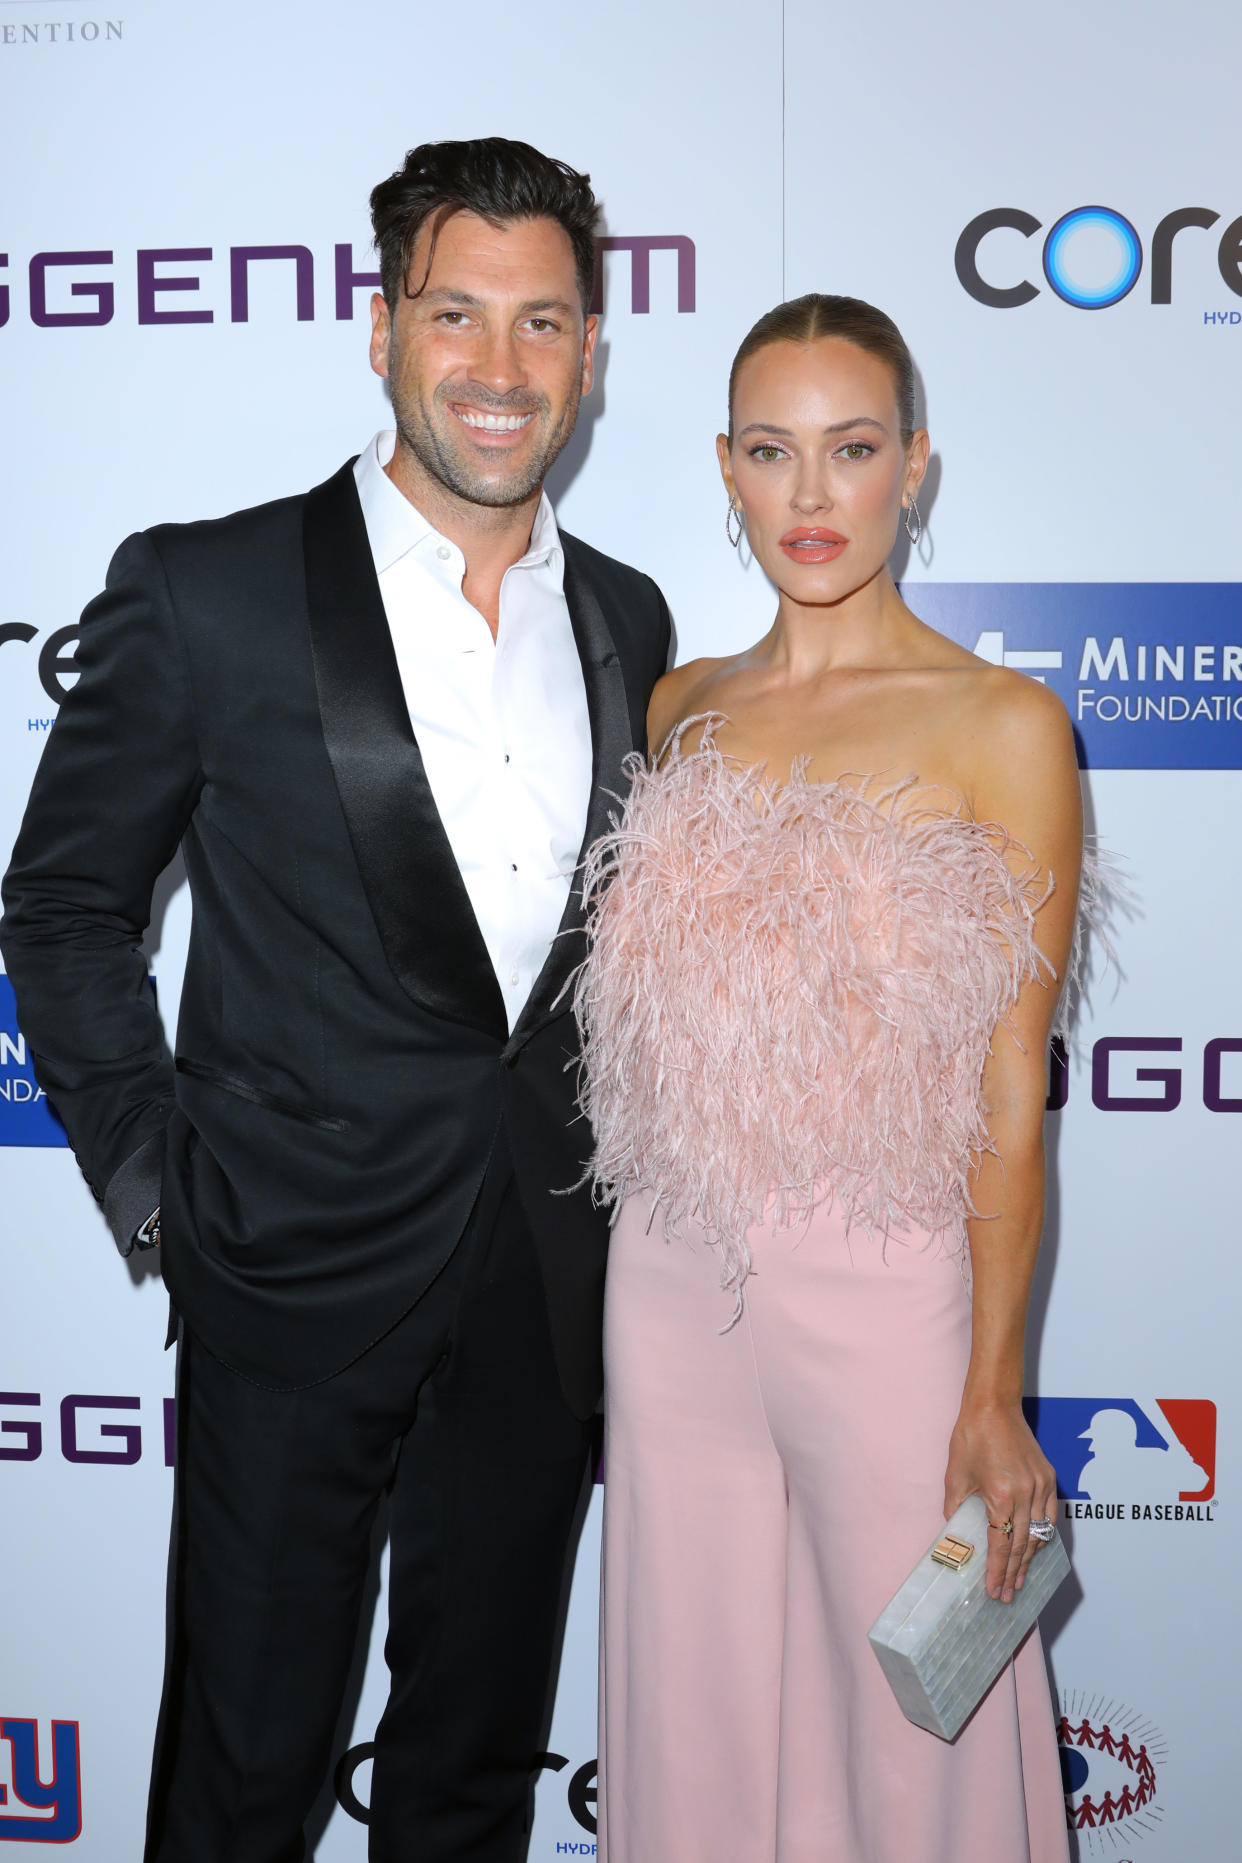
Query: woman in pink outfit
point(816, 1016)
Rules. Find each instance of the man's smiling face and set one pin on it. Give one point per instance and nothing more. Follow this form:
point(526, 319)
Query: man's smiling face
point(487, 364)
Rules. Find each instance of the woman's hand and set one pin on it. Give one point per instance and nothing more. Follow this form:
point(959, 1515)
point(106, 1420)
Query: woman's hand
point(992, 1453)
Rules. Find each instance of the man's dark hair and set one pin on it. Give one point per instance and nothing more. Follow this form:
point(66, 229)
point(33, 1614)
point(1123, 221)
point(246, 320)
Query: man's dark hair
point(496, 179)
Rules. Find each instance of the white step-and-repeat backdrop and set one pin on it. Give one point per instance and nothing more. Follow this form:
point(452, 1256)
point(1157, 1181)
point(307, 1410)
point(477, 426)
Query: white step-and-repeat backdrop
point(1049, 203)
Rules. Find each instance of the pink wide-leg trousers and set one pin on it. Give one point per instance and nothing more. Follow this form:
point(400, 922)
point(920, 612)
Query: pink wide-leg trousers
point(766, 1490)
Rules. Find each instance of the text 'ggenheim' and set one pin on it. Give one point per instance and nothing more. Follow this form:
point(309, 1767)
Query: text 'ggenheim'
point(64, 293)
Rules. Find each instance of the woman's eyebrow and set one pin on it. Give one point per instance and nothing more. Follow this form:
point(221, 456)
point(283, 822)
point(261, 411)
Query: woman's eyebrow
point(839, 426)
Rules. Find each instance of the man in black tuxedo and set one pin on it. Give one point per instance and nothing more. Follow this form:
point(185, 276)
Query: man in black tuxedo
point(381, 720)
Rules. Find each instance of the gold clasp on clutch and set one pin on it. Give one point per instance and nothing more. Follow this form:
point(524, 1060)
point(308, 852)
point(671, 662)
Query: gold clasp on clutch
point(952, 1552)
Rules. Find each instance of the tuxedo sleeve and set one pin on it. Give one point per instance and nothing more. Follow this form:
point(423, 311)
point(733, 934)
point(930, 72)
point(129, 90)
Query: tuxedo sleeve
point(117, 783)
point(664, 649)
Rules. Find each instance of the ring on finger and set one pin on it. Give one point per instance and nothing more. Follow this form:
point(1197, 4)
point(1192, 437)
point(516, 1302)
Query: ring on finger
point(1003, 1526)
point(1042, 1530)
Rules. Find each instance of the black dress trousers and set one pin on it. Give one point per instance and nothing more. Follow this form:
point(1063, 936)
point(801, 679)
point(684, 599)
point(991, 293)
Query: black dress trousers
point(459, 1414)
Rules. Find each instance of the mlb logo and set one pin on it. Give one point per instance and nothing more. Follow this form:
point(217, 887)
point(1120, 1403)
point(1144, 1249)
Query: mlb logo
point(1120, 1449)
point(34, 1810)
point(25, 1116)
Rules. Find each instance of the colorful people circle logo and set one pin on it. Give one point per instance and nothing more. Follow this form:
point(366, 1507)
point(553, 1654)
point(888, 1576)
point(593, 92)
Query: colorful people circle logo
point(1111, 1757)
point(1093, 257)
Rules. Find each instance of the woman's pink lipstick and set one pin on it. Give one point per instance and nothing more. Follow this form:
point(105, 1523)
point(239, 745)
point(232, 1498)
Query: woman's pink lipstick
point(813, 546)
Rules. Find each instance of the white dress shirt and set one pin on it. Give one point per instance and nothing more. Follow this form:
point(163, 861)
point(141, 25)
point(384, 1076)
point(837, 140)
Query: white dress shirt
point(502, 724)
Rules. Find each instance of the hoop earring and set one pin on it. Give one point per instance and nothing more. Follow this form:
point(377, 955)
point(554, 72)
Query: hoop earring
point(730, 514)
point(913, 530)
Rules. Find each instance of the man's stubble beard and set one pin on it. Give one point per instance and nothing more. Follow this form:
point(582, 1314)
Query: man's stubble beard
point(418, 432)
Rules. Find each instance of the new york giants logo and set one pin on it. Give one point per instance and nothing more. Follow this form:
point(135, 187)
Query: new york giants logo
point(50, 1813)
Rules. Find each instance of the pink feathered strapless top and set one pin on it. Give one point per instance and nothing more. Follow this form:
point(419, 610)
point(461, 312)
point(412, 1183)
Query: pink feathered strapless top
point(790, 995)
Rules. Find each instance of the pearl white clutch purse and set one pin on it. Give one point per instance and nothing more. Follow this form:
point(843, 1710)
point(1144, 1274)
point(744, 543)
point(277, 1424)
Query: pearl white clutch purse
point(941, 1640)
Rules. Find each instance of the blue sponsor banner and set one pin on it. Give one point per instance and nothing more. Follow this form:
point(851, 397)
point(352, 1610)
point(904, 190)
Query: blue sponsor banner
point(25, 1116)
point(1150, 672)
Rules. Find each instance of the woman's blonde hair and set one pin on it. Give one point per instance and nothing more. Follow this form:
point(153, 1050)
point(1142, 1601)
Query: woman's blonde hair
point(819, 313)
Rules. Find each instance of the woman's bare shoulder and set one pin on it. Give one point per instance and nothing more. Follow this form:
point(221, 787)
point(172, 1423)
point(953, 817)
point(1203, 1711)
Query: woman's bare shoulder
point(1026, 767)
point(682, 691)
point(1024, 719)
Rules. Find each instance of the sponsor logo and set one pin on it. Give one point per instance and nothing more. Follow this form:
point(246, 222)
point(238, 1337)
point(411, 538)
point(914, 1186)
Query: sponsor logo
point(87, 1433)
point(25, 1116)
point(346, 1781)
point(1112, 1762)
point(580, 1791)
point(57, 671)
point(640, 250)
point(1092, 256)
point(1117, 1074)
point(1122, 1458)
point(32, 1810)
point(1150, 672)
point(32, 27)
point(174, 284)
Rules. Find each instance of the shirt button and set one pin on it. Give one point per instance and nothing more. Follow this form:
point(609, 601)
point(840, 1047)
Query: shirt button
point(506, 756)
point(444, 553)
point(513, 864)
point(514, 978)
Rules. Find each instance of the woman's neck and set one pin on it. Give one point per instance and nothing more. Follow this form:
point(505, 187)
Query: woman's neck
point(868, 628)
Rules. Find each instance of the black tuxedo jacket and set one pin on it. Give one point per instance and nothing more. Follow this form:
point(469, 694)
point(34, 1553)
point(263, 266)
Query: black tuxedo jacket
point(343, 1063)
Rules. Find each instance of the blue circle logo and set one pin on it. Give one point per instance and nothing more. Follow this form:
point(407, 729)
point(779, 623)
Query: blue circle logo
point(1074, 1771)
point(1092, 257)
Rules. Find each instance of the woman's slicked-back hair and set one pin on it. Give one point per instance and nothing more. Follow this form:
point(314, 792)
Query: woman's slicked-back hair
point(492, 177)
point(820, 313)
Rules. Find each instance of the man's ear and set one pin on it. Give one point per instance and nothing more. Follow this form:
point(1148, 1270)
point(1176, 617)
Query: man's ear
point(381, 333)
point(590, 336)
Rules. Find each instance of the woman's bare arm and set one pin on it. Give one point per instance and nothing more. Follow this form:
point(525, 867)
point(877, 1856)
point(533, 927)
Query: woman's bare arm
point(1026, 779)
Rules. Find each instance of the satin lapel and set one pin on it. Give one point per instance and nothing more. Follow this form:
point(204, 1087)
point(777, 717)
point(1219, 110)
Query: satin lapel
point(422, 911)
point(611, 742)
